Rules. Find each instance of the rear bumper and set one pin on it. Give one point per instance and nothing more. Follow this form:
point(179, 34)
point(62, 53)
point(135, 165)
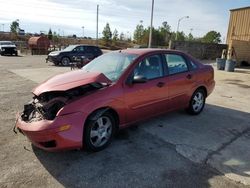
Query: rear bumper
point(210, 87)
point(63, 133)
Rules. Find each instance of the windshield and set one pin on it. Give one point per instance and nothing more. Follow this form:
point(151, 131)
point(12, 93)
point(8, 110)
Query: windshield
point(112, 64)
point(69, 48)
point(6, 43)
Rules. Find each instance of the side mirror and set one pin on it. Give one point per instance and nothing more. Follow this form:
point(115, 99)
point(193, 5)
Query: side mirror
point(139, 79)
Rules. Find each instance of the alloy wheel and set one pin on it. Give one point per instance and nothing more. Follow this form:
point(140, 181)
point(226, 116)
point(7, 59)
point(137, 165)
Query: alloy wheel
point(101, 132)
point(198, 101)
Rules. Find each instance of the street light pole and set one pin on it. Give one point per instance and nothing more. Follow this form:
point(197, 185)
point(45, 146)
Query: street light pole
point(176, 35)
point(151, 25)
point(97, 19)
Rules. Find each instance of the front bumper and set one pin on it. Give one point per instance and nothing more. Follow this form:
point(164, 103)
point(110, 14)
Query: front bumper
point(52, 135)
point(53, 59)
point(9, 51)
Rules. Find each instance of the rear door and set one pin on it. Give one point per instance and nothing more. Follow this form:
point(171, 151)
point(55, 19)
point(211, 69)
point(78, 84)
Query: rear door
point(180, 80)
point(91, 52)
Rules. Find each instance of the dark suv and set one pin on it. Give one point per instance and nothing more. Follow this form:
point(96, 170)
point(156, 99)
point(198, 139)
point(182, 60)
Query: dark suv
point(67, 55)
point(8, 47)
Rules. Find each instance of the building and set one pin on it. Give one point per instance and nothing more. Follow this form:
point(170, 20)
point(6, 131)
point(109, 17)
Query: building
point(238, 35)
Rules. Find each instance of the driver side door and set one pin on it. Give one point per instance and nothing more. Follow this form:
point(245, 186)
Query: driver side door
point(149, 98)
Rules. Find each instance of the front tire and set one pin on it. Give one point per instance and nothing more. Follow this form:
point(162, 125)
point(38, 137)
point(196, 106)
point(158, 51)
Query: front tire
point(65, 61)
point(197, 102)
point(99, 132)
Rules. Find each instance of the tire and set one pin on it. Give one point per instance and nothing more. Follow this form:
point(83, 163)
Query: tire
point(65, 61)
point(197, 102)
point(98, 133)
point(16, 54)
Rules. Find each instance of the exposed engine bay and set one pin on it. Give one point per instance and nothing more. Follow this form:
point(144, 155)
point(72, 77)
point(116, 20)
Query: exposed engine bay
point(47, 105)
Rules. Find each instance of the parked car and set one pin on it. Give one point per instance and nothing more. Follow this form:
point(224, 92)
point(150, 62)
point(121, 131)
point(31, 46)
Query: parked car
point(8, 48)
point(84, 108)
point(67, 55)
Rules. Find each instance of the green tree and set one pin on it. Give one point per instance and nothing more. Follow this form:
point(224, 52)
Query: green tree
point(212, 37)
point(138, 33)
point(164, 34)
point(115, 35)
point(55, 37)
point(180, 36)
point(50, 35)
point(14, 27)
point(160, 36)
point(107, 34)
point(190, 37)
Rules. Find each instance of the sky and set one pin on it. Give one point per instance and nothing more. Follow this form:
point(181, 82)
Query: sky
point(68, 17)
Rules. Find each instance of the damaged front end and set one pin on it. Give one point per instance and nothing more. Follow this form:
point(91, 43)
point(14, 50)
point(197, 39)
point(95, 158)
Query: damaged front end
point(48, 104)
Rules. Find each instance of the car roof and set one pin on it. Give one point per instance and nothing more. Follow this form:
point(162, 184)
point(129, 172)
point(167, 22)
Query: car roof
point(83, 45)
point(142, 51)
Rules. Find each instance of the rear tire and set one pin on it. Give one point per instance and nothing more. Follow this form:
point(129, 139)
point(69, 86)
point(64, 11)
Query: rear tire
point(98, 133)
point(197, 102)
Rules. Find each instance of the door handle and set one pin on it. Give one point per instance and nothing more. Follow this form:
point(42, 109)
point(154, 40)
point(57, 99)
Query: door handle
point(160, 84)
point(189, 76)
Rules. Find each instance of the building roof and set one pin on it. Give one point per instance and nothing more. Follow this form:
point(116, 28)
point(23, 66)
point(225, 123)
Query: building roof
point(240, 8)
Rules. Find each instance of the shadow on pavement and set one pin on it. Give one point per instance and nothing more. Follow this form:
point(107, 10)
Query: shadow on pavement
point(148, 156)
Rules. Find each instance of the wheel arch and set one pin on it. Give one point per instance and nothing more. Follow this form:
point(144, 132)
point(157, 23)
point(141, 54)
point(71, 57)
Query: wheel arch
point(96, 113)
point(203, 88)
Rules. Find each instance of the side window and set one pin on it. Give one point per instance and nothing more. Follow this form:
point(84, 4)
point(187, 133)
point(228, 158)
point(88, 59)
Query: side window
point(150, 67)
point(89, 49)
point(176, 64)
point(193, 65)
point(79, 49)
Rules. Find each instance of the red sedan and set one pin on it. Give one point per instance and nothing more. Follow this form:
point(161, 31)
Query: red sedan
point(84, 108)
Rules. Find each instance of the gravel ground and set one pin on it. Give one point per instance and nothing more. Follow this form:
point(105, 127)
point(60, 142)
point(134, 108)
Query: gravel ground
point(138, 157)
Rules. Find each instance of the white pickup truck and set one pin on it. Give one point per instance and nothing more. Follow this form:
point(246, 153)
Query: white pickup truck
point(8, 47)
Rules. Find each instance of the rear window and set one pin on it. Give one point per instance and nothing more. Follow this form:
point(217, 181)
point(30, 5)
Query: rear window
point(193, 65)
point(95, 50)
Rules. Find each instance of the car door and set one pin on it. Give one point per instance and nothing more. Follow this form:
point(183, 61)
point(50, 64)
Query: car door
point(149, 98)
point(90, 52)
point(180, 80)
point(79, 51)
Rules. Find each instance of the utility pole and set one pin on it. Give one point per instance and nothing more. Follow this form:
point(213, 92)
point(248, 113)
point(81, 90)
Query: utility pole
point(82, 31)
point(97, 15)
point(151, 25)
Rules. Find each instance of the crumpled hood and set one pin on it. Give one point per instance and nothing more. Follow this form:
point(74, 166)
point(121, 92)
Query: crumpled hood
point(69, 80)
